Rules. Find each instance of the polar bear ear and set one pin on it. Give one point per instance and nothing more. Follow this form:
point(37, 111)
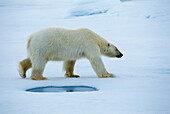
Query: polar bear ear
point(108, 44)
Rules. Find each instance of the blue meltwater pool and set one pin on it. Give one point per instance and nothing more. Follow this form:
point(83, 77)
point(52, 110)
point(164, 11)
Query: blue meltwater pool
point(62, 89)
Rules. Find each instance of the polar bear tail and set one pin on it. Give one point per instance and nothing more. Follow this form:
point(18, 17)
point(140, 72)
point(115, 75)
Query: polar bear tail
point(23, 66)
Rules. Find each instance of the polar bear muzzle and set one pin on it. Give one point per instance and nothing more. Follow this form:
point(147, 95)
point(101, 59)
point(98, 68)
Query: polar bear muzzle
point(119, 55)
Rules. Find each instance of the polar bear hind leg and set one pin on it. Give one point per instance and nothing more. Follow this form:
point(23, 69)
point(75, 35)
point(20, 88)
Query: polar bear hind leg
point(38, 65)
point(68, 66)
point(24, 65)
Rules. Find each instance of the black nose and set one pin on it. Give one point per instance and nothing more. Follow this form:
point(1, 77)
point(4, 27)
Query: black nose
point(119, 56)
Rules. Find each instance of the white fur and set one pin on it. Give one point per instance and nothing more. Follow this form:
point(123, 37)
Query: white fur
point(58, 44)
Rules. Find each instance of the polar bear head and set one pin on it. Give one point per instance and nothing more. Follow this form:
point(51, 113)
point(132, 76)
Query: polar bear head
point(110, 50)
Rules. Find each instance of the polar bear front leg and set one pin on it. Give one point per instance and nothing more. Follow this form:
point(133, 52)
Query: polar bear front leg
point(38, 68)
point(68, 66)
point(99, 68)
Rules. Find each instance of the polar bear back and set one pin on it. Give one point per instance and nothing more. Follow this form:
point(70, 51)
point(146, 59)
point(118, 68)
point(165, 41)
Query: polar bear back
point(63, 44)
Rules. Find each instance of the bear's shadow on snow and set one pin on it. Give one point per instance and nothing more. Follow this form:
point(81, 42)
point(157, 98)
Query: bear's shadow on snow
point(66, 78)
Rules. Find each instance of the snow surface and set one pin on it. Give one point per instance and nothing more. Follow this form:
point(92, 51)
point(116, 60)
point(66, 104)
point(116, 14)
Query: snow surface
point(139, 28)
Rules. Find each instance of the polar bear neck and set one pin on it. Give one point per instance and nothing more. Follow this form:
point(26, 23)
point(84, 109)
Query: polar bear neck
point(95, 38)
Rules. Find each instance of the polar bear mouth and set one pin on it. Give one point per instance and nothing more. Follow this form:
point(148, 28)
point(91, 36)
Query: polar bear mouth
point(119, 56)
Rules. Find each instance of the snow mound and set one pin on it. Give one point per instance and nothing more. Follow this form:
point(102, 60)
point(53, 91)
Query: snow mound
point(92, 7)
point(87, 13)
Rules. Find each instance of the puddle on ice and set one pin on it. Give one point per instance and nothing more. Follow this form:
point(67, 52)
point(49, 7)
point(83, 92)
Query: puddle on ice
point(62, 89)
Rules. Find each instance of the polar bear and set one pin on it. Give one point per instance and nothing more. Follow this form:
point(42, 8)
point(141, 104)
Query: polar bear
point(59, 44)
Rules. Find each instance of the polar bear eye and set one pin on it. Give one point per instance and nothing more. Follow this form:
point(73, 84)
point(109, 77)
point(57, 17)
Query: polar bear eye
point(108, 44)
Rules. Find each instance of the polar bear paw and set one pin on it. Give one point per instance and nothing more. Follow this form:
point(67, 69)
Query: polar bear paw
point(21, 70)
point(69, 75)
point(108, 75)
point(38, 78)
